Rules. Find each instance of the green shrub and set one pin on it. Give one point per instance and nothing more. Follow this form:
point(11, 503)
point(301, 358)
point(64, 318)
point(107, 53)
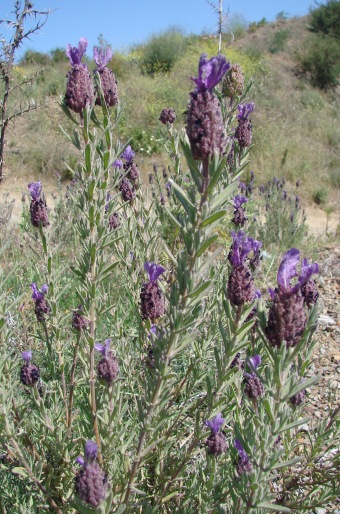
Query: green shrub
point(278, 41)
point(334, 177)
point(320, 61)
point(33, 57)
point(58, 55)
point(326, 19)
point(161, 52)
point(320, 196)
point(254, 25)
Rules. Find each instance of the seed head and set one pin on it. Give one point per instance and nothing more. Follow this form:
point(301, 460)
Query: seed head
point(167, 116)
point(233, 82)
point(91, 480)
point(29, 373)
point(107, 368)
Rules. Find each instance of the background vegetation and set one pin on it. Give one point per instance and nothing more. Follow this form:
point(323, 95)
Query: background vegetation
point(295, 64)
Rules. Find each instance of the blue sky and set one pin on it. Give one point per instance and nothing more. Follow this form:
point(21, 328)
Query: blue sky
point(126, 22)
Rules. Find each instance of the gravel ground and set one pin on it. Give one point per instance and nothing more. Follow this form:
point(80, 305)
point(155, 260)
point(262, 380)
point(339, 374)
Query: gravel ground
point(327, 352)
point(325, 396)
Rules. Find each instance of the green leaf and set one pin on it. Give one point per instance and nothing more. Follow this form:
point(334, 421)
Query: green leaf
point(303, 385)
point(287, 463)
point(200, 289)
point(108, 269)
point(151, 446)
point(214, 217)
point(271, 506)
point(169, 253)
point(106, 159)
point(182, 197)
point(19, 471)
point(88, 157)
point(212, 258)
point(194, 169)
point(216, 167)
point(292, 425)
point(225, 195)
point(206, 245)
point(169, 496)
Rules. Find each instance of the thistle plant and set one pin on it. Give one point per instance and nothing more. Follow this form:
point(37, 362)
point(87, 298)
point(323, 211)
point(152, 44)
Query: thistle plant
point(184, 383)
point(19, 23)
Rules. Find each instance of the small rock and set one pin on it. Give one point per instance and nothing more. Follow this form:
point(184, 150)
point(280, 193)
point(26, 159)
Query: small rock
point(317, 414)
point(324, 319)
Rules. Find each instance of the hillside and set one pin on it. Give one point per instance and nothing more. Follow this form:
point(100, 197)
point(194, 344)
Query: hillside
point(295, 126)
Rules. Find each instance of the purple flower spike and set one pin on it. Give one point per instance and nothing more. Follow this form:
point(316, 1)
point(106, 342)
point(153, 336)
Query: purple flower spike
point(128, 154)
point(27, 356)
point(239, 200)
point(91, 451)
point(215, 423)
point(154, 270)
point(102, 56)
point(254, 361)
point(80, 460)
point(210, 72)
point(245, 110)
point(104, 349)
point(35, 190)
point(76, 54)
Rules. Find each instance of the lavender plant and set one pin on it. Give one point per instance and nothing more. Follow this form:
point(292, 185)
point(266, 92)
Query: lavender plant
point(185, 385)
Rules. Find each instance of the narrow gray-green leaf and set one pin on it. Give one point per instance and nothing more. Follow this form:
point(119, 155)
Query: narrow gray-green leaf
point(214, 217)
point(206, 245)
point(271, 506)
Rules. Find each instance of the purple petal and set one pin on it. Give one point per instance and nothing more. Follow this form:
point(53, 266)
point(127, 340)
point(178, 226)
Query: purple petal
point(76, 54)
point(287, 268)
point(80, 460)
point(239, 200)
point(241, 451)
point(128, 154)
point(102, 56)
point(307, 270)
point(215, 423)
point(153, 331)
point(44, 289)
point(91, 451)
point(254, 361)
point(241, 248)
point(245, 110)
point(35, 190)
point(27, 356)
point(100, 348)
point(210, 71)
point(257, 293)
point(36, 295)
point(271, 292)
point(154, 270)
point(118, 164)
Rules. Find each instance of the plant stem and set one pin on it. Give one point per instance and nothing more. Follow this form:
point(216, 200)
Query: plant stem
point(72, 382)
